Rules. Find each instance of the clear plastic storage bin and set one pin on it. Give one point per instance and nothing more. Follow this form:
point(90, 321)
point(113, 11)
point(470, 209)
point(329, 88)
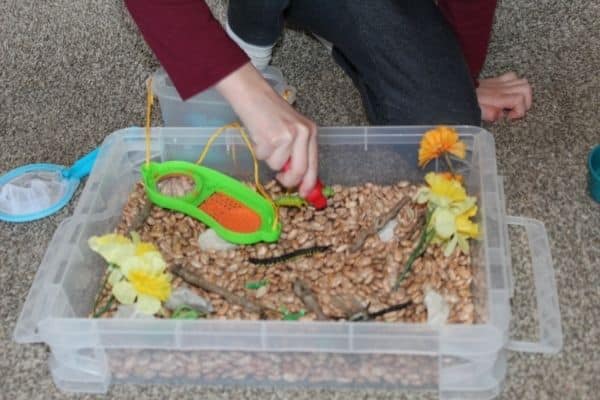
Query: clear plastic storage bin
point(456, 361)
point(208, 108)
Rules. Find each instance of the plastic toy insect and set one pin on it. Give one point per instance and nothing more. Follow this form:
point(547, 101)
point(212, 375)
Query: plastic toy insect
point(290, 201)
point(289, 256)
point(315, 197)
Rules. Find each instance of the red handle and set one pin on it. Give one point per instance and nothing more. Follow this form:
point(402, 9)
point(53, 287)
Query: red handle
point(315, 197)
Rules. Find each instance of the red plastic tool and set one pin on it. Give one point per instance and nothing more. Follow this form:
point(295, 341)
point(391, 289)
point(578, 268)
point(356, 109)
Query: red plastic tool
point(315, 197)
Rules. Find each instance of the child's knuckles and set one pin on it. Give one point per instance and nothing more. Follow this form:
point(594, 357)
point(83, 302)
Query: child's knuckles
point(302, 130)
point(309, 181)
point(277, 160)
point(262, 150)
point(282, 138)
point(291, 178)
point(312, 128)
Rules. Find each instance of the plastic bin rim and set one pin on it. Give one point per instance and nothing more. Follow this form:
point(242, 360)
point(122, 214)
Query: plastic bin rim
point(353, 130)
point(416, 131)
point(341, 330)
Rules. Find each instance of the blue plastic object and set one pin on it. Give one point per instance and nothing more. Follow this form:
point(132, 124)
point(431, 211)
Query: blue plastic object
point(82, 167)
point(594, 173)
point(68, 178)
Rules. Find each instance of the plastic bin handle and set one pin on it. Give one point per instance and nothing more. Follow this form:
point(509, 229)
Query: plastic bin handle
point(550, 330)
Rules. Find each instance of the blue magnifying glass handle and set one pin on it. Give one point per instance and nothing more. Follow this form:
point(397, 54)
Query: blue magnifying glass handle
point(82, 167)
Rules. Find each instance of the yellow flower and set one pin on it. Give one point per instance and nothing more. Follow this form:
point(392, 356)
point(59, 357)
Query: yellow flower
point(465, 227)
point(146, 286)
point(441, 191)
point(438, 141)
point(137, 272)
point(143, 248)
point(442, 187)
point(113, 247)
point(454, 227)
point(124, 252)
point(444, 223)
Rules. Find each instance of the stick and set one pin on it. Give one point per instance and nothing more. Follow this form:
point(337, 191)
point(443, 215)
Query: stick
point(395, 307)
point(197, 280)
point(99, 295)
point(140, 218)
point(104, 309)
point(356, 312)
point(304, 293)
point(378, 225)
point(365, 315)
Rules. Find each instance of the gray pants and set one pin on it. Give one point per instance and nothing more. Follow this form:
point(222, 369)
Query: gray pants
point(401, 54)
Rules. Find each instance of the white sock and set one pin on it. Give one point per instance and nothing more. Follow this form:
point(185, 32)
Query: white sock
point(260, 56)
point(325, 43)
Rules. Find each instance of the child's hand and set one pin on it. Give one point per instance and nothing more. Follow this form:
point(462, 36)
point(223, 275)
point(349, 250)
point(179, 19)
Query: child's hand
point(505, 94)
point(278, 131)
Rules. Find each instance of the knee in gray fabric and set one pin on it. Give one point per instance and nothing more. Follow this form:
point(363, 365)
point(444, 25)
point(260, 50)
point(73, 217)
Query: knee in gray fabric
point(426, 111)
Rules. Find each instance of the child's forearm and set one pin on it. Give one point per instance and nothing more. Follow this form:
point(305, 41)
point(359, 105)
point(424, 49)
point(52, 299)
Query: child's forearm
point(189, 43)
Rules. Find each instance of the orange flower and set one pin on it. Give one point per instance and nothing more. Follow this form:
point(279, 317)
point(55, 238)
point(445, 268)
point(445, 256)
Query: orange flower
point(438, 141)
point(450, 176)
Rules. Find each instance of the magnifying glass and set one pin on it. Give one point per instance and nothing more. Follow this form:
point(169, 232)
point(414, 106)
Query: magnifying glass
point(36, 191)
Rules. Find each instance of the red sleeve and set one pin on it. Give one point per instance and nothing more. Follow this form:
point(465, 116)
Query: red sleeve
point(189, 43)
point(472, 22)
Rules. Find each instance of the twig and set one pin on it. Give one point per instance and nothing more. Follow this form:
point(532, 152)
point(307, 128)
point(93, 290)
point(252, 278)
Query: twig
point(99, 296)
point(198, 281)
point(449, 163)
point(304, 293)
point(395, 307)
point(407, 231)
point(348, 304)
point(378, 225)
point(140, 218)
point(105, 308)
point(356, 311)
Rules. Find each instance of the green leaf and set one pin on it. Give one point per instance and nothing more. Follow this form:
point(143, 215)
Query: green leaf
point(255, 285)
point(185, 312)
point(328, 191)
point(286, 315)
